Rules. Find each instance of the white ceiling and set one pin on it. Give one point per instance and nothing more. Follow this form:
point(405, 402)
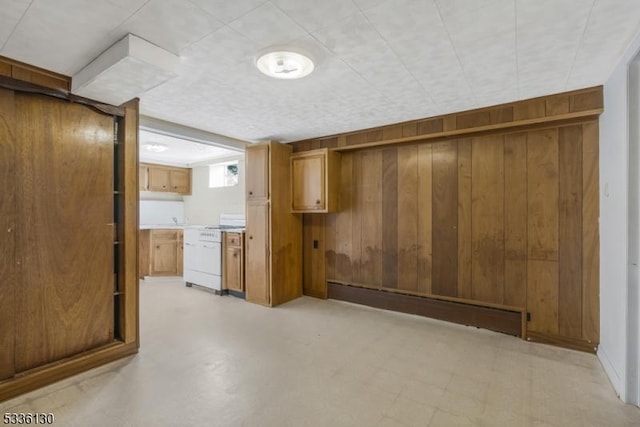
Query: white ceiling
point(377, 61)
point(180, 152)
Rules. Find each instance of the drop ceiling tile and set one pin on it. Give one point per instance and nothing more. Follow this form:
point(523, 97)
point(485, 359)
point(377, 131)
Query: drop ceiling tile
point(228, 11)
point(170, 24)
point(312, 15)
point(450, 8)
point(612, 26)
point(492, 22)
point(351, 35)
point(49, 31)
point(12, 11)
point(267, 25)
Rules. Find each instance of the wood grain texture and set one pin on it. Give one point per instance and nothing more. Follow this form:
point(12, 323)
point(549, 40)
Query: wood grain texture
point(5, 69)
point(8, 219)
point(128, 222)
point(408, 218)
point(371, 203)
point(29, 73)
point(343, 223)
point(286, 229)
point(390, 218)
point(464, 218)
point(590, 234)
point(66, 208)
point(542, 194)
point(258, 269)
point(515, 219)
point(487, 222)
point(425, 217)
point(445, 218)
point(329, 233)
point(357, 213)
point(257, 185)
point(314, 269)
point(570, 231)
point(529, 109)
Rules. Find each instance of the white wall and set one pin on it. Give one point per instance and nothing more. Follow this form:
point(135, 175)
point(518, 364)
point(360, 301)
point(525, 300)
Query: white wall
point(205, 204)
point(614, 214)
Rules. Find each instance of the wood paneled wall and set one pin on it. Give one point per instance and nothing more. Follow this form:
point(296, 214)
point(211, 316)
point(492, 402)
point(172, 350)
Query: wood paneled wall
point(505, 219)
point(29, 73)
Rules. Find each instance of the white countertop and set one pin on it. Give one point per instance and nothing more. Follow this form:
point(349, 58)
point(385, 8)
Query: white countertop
point(154, 226)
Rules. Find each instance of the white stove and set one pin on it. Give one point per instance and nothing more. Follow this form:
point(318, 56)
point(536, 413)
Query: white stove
point(203, 258)
point(203, 252)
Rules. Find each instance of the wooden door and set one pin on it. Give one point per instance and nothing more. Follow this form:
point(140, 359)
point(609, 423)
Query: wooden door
point(7, 233)
point(258, 175)
point(65, 237)
point(308, 183)
point(158, 179)
point(257, 274)
point(180, 181)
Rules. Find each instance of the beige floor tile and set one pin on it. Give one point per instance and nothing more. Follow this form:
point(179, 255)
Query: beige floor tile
point(219, 361)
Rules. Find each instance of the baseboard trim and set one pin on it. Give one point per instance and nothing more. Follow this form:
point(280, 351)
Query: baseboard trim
point(500, 320)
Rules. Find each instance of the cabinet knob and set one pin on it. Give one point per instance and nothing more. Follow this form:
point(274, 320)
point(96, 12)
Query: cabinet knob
point(317, 202)
point(157, 247)
point(250, 237)
point(250, 193)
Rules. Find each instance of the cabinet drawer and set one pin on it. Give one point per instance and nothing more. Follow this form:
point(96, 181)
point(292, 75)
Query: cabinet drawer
point(233, 239)
point(165, 234)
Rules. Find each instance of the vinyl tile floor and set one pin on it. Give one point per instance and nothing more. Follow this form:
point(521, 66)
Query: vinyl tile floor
point(207, 360)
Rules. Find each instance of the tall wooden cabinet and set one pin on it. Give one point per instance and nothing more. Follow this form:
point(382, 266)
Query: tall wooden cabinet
point(273, 238)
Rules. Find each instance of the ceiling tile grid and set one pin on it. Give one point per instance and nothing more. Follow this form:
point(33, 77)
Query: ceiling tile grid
point(377, 61)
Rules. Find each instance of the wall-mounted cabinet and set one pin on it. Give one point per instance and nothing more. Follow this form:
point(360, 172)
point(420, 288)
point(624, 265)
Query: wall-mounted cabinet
point(315, 181)
point(165, 179)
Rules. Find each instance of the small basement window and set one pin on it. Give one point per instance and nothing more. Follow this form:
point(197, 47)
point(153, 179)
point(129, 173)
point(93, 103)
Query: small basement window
point(223, 174)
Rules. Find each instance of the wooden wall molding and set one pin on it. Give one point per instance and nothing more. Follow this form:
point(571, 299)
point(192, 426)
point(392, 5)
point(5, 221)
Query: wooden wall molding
point(576, 105)
point(29, 73)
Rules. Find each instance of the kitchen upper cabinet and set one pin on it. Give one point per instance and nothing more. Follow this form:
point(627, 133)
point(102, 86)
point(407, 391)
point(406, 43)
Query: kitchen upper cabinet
point(315, 181)
point(233, 262)
point(257, 181)
point(274, 235)
point(165, 179)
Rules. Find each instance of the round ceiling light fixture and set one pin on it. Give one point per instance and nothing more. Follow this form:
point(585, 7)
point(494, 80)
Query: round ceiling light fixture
point(285, 64)
point(155, 147)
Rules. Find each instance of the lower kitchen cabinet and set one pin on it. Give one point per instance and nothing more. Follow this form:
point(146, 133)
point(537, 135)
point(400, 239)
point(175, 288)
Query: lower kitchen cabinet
point(233, 262)
point(161, 252)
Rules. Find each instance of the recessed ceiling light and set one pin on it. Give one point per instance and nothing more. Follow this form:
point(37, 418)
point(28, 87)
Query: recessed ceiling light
point(155, 147)
point(285, 64)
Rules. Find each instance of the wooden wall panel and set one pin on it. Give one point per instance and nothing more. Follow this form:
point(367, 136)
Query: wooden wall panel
point(66, 177)
point(371, 237)
point(515, 220)
point(425, 220)
point(570, 231)
point(357, 218)
point(542, 194)
point(390, 218)
point(7, 233)
point(464, 218)
point(590, 234)
point(344, 224)
point(487, 226)
point(445, 218)
point(329, 233)
point(408, 218)
point(313, 256)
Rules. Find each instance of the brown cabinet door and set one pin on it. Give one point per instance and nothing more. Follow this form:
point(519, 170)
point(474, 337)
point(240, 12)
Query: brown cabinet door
point(257, 158)
point(257, 274)
point(164, 260)
point(65, 241)
point(180, 181)
point(233, 269)
point(308, 183)
point(180, 253)
point(158, 179)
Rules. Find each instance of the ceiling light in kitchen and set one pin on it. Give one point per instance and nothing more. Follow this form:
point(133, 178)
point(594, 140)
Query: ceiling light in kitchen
point(155, 147)
point(285, 64)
